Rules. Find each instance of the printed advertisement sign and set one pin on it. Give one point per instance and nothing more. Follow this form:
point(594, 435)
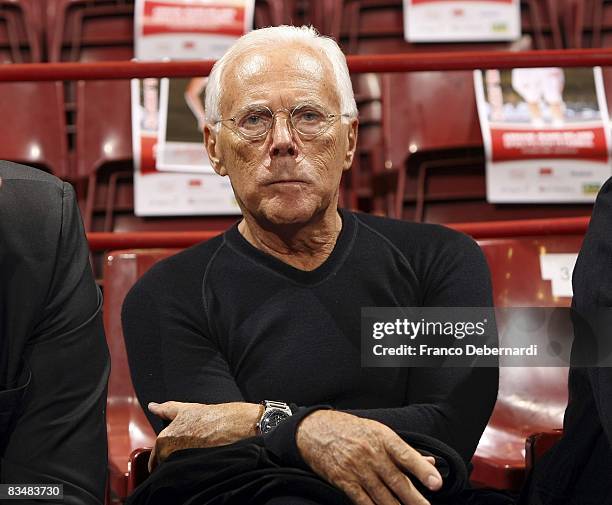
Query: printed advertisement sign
point(546, 134)
point(461, 20)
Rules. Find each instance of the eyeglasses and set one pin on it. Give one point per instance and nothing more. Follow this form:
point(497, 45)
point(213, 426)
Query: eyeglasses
point(308, 120)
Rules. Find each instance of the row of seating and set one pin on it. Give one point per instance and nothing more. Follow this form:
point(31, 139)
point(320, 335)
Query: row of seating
point(530, 399)
point(419, 157)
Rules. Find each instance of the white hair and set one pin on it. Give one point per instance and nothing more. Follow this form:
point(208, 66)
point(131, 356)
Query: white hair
point(273, 36)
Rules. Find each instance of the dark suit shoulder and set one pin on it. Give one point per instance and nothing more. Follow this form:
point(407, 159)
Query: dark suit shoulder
point(16, 171)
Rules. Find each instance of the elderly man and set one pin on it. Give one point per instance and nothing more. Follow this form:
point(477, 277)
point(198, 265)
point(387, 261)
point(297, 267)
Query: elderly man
point(251, 339)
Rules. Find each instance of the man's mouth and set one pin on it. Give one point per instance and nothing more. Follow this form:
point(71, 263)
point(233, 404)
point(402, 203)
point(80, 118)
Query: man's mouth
point(287, 181)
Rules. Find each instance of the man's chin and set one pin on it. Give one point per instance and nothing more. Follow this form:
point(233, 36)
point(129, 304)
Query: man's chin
point(290, 212)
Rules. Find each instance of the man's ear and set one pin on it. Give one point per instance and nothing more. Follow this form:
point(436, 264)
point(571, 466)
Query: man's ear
point(212, 148)
point(352, 143)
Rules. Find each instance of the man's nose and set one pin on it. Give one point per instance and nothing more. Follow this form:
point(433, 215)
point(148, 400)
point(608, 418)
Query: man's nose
point(282, 138)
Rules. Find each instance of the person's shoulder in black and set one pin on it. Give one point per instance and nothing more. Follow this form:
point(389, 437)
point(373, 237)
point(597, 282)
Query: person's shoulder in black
point(450, 266)
point(54, 361)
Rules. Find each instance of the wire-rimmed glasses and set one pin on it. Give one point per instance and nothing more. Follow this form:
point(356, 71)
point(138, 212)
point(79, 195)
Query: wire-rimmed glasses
point(308, 120)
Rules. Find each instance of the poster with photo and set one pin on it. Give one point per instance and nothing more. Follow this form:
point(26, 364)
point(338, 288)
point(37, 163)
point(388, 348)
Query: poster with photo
point(180, 137)
point(461, 20)
point(162, 193)
point(173, 175)
point(546, 134)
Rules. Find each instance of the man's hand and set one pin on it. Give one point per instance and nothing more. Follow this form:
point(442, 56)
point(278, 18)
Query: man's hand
point(199, 425)
point(364, 458)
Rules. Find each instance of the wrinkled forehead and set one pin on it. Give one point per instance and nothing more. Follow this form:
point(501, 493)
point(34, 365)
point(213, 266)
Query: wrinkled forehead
point(296, 73)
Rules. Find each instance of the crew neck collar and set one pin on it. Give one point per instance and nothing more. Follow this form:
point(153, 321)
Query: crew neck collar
point(342, 248)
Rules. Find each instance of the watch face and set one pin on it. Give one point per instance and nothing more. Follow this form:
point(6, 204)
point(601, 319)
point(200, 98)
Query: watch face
point(272, 419)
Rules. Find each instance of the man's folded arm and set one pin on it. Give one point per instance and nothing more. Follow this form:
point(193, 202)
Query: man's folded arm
point(452, 404)
point(170, 358)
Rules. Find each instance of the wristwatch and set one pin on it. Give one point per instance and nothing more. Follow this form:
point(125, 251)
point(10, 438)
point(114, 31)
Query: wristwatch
point(274, 413)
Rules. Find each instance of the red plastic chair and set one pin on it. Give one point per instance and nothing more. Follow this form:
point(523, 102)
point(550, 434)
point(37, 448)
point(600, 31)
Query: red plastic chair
point(538, 444)
point(275, 12)
point(103, 134)
point(425, 115)
point(21, 38)
point(128, 428)
point(76, 28)
point(37, 132)
point(35, 110)
point(530, 399)
point(138, 468)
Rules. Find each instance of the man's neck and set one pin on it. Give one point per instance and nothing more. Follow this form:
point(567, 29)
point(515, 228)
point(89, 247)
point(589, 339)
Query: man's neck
point(304, 247)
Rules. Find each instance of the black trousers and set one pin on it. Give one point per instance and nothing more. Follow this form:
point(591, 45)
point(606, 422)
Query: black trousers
point(237, 474)
point(246, 473)
point(291, 500)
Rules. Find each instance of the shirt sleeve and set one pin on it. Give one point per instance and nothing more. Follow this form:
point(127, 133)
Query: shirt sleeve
point(450, 404)
point(171, 354)
point(60, 432)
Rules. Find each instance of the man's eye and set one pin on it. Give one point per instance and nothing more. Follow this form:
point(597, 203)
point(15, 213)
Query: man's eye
point(308, 117)
point(253, 119)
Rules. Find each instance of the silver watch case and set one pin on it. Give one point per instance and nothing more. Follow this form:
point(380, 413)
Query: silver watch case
point(274, 414)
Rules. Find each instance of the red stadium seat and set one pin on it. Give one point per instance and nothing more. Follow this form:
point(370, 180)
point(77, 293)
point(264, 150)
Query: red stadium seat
point(138, 468)
point(37, 137)
point(427, 115)
point(530, 399)
point(20, 31)
point(276, 12)
point(90, 30)
point(128, 428)
point(99, 112)
point(103, 135)
point(37, 133)
point(358, 180)
point(538, 444)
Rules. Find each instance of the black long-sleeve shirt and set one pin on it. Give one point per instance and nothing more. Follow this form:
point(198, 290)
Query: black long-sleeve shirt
point(54, 362)
point(223, 321)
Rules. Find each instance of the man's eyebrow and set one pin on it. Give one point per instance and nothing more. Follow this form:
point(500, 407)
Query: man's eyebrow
point(265, 103)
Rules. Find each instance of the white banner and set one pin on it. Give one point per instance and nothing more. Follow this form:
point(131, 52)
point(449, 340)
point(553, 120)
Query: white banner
point(546, 134)
point(461, 20)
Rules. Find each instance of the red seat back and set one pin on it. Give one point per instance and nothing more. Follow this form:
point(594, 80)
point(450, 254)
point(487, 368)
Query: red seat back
point(37, 131)
point(34, 110)
point(128, 428)
point(529, 399)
